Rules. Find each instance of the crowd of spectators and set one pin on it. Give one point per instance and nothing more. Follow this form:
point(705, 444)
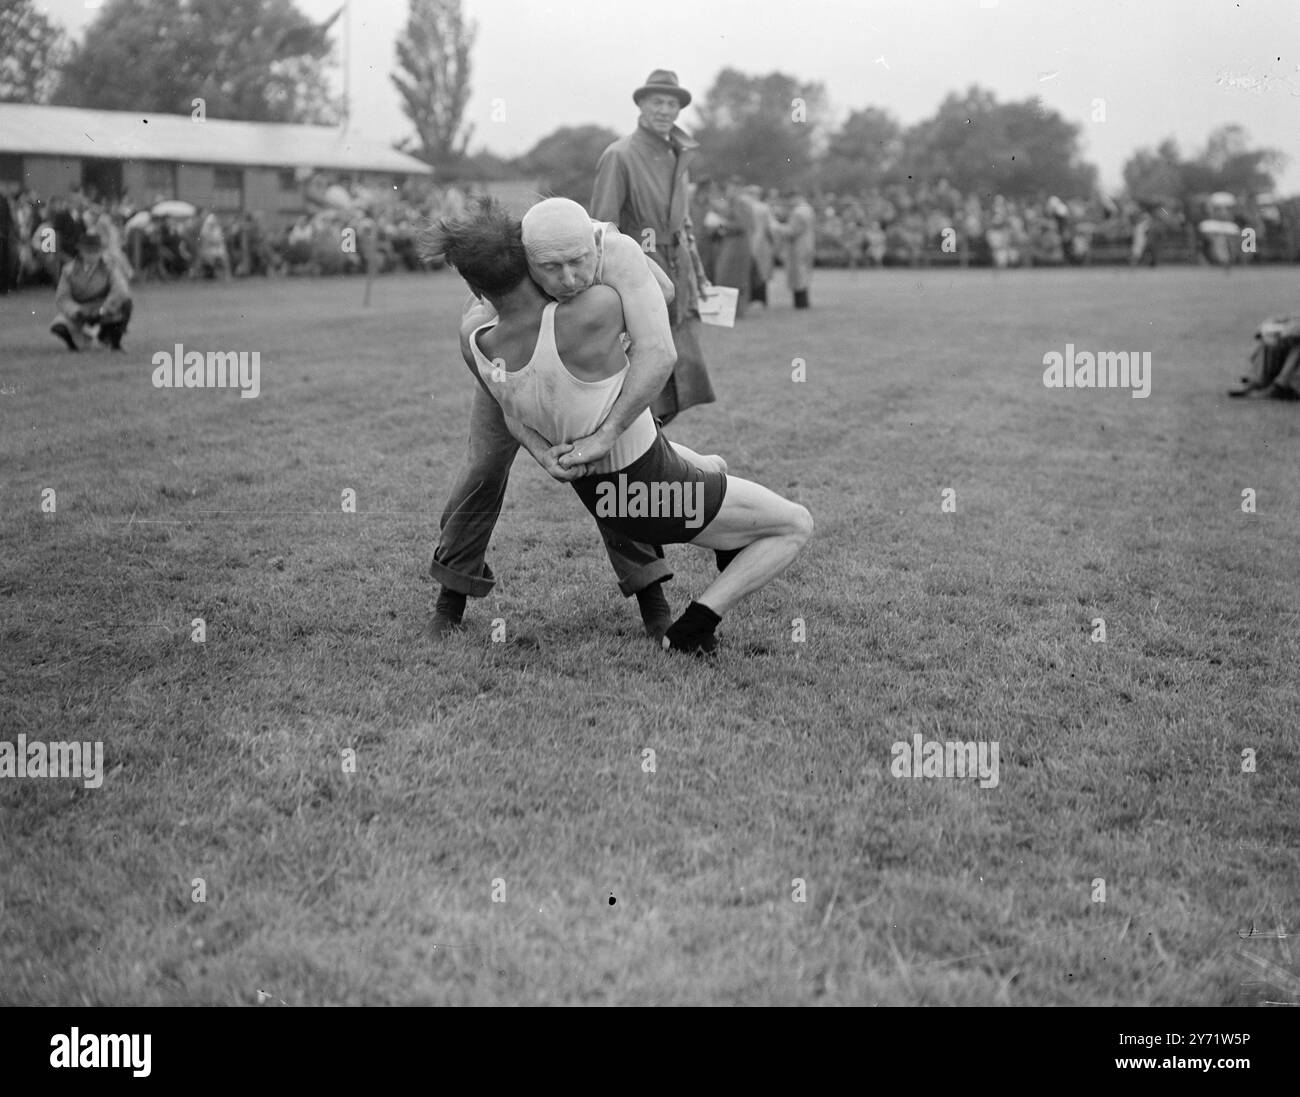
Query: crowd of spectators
point(166, 240)
point(917, 225)
point(895, 225)
point(742, 231)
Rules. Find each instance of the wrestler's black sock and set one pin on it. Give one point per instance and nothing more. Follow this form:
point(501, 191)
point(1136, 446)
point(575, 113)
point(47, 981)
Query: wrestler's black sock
point(693, 630)
point(451, 604)
point(725, 556)
point(655, 611)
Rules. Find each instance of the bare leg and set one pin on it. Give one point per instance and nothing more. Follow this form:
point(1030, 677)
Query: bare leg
point(768, 529)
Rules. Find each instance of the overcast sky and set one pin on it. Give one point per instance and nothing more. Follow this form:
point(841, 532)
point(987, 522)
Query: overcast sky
point(1163, 67)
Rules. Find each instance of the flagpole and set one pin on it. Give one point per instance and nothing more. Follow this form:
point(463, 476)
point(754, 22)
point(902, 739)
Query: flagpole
point(347, 63)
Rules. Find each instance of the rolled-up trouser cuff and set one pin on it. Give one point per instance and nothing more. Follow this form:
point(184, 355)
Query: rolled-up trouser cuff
point(470, 586)
point(475, 587)
point(636, 565)
point(646, 574)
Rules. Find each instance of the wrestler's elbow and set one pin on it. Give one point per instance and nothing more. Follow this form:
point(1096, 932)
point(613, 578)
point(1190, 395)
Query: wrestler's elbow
point(653, 352)
point(663, 282)
point(664, 358)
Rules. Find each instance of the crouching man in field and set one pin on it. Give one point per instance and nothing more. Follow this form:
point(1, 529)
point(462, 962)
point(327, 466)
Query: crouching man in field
point(1276, 361)
point(92, 290)
point(556, 369)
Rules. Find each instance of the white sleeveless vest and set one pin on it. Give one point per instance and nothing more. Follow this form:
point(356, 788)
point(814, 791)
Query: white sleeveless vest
point(544, 395)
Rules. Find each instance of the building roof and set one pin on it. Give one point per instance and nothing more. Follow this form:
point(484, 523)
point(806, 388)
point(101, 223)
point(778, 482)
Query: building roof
point(127, 135)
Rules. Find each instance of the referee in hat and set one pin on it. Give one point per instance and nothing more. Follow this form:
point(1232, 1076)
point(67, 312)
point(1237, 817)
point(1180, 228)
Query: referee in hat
point(641, 186)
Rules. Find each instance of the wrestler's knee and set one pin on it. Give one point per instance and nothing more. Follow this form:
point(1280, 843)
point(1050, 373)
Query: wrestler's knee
point(800, 523)
point(489, 462)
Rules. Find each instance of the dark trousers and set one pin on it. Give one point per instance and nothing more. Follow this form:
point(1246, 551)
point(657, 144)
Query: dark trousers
point(689, 384)
point(1269, 362)
point(111, 332)
point(459, 561)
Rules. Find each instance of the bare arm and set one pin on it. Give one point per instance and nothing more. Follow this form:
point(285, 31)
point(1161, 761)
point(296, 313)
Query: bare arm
point(476, 314)
point(623, 261)
point(533, 442)
point(665, 283)
point(652, 355)
point(543, 452)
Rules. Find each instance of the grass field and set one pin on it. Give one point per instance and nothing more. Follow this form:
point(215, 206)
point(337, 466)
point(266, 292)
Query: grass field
point(522, 761)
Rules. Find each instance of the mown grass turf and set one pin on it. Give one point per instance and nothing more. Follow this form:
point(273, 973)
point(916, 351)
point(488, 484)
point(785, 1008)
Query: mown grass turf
point(522, 761)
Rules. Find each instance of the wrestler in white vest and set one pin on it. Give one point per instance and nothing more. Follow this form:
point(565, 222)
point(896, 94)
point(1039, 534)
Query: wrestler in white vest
point(544, 395)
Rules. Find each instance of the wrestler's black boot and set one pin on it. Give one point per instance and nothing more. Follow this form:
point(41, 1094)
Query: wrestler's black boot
point(693, 631)
point(655, 611)
point(447, 614)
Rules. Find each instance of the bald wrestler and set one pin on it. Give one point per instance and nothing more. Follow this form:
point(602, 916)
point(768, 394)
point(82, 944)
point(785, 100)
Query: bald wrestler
point(470, 515)
point(557, 370)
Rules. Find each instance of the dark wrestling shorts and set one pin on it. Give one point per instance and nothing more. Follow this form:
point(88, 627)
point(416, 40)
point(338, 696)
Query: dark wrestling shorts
point(659, 499)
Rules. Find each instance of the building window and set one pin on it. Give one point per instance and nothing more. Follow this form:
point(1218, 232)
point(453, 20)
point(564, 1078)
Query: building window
point(160, 178)
point(288, 180)
point(11, 168)
point(228, 189)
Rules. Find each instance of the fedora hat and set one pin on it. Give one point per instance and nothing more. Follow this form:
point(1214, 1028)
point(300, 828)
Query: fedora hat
point(662, 80)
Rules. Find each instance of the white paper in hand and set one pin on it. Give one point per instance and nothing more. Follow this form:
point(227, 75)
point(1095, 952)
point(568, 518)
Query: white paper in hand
point(718, 306)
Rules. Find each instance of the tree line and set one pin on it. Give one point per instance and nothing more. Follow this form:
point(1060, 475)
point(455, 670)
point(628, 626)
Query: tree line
point(263, 60)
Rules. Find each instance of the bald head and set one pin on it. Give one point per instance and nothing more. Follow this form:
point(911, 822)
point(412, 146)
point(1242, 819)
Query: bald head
point(560, 242)
point(556, 225)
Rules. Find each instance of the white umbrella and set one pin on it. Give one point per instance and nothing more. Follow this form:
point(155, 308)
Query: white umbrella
point(1213, 227)
point(1222, 198)
point(138, 220)
point(173, 207)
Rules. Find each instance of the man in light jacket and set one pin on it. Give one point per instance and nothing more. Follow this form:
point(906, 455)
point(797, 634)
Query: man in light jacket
point(800, 235)
point(642, 187)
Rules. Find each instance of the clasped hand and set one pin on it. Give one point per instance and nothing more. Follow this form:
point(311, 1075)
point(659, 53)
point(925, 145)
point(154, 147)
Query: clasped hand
point(552, 461)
